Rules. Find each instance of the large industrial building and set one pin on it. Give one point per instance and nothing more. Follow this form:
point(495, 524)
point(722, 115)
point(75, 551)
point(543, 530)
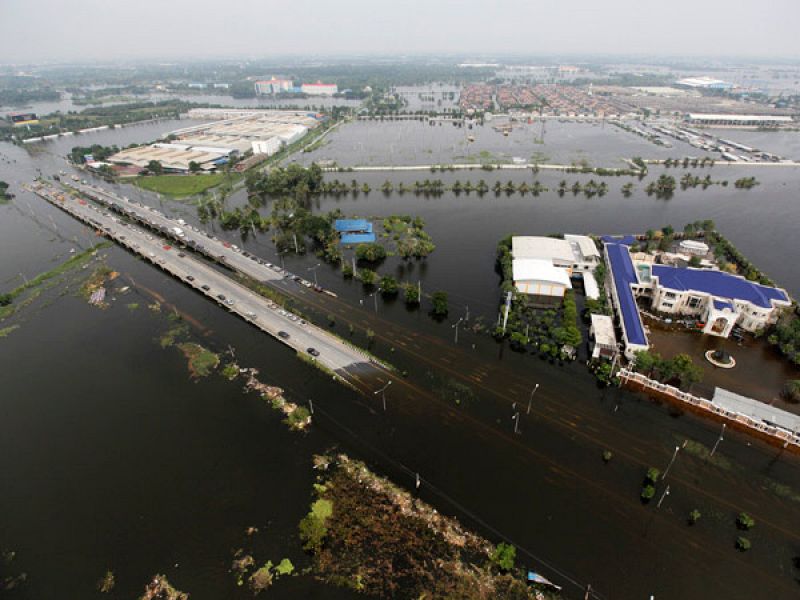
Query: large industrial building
point(543, 266)
point(319, 89)
point(704, 83)
point(269, 87)
point(231, 133)
point(738, 120)
point(719, 301)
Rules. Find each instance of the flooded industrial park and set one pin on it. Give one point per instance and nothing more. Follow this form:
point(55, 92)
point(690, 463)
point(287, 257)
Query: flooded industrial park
point(116, 458)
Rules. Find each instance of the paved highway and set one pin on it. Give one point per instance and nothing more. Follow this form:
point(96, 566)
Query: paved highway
point(333, 353)
point(205, 243)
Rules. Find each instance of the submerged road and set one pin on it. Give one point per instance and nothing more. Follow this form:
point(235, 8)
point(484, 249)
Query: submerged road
point(328, 350)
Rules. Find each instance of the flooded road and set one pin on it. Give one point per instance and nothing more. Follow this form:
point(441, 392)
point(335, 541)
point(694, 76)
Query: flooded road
point(120, 461)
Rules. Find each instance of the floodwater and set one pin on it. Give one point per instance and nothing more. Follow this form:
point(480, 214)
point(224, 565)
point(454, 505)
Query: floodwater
point(378, 143)
point(65, 104)
point(117, 460)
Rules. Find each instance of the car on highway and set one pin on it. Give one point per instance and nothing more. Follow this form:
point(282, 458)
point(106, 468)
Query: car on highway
point(283, 334)
point(181, 254)
point(221, 296)
point(229, 302)
point(189, 278)
point(313, 351)
point(205, 287)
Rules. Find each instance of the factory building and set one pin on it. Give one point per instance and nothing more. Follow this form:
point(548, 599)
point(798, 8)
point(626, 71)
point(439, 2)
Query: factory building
point(319, 89)
point(738, 120)
point(269, 87)
point(704, 83)
point(543, 266)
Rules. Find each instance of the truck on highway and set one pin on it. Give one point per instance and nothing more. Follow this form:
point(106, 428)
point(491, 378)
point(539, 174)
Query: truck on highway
point(178, 231)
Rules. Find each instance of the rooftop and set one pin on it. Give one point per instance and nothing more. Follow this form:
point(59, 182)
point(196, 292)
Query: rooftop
point(534, 269)
point(603, 328)
point(619, 259)
point(718, 283)
point(352, 225)
point(574, 248)
point(756, 410)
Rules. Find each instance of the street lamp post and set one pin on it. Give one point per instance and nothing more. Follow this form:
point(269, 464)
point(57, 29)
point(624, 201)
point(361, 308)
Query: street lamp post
point(382, 392)
point(533, 391)
point(456, 328)
point(314, 269)
point(672, 460)
point(719, 439)
point(516, 422)
point(664, 495)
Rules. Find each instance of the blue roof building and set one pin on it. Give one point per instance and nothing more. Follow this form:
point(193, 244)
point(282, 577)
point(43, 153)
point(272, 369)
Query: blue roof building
point(623, 278)
point(718, 301)
point(354, 231)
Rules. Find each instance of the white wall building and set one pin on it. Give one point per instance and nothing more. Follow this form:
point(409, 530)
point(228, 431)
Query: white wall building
point(268, 147)
point(575, 253)
point(538, 277)
point(604, 339)
point(718, 300)
point(268, 87)
point(319, 89)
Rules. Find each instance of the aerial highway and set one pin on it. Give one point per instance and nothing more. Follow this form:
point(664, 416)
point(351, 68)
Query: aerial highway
point(304, 337)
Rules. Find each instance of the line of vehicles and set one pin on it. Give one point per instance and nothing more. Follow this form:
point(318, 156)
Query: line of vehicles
point(229, 302)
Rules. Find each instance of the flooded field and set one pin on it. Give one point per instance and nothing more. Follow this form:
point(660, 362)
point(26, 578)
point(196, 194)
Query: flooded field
point(120, 461)
point(371, 143)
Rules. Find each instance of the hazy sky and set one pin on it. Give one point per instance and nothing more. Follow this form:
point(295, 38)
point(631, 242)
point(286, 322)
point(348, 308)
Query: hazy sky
point(91, 30)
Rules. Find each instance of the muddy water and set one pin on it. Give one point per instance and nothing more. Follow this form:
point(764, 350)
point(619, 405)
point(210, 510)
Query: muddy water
point(119, 461)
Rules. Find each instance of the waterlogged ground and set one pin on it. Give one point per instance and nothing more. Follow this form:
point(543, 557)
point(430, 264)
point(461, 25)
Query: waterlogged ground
point(373, 143)
point(121, 460)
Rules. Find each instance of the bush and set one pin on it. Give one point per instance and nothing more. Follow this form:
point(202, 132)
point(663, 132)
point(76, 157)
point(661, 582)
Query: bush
point(742, 544)
point(652, 474)
point(694, 516)
point(439, 300)
point(503, 556)
point(371, 252)
point(745, 521)
point(648, 492)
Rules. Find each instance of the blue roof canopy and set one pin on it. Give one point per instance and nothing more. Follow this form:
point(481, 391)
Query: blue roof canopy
point(357, 238)
point(717, 283)
point(625, 240)
point(624, 275)
point(342, 225)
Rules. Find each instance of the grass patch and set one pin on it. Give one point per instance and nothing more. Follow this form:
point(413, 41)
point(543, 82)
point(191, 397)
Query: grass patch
point(701, 451)
point(179, 185)
point(202, 361)
point(173, 334)
point(6, 331)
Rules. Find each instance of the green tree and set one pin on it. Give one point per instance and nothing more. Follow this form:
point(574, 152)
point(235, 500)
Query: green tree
point(5, 299)
point(745, 521)
point(439, 300)
point(388, 285)
point(371, 252)
point(194, 167)
point(411, 294)
point(367, 276)
point(504, 556)
point(694, 516)
point(155, 167)
point(742, 544)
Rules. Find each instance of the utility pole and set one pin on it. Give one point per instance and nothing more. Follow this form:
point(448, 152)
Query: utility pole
point(419, 290)
point(466, 318)
point(719, 439)
point(456, 328)
point(311, 406)
point(672, 460)
point(314, 269)
point(533, 391)
point(382, 392)
point(296, 247)
point(354, 266)
point(664, 495)
point(508, 307)
point(516, 422)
